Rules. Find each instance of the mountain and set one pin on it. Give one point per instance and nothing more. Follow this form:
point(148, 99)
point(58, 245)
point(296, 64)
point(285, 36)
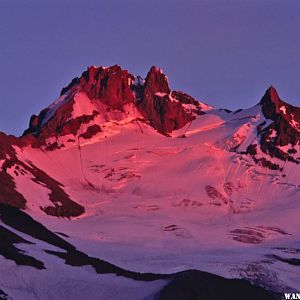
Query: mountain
point(124, 176)
point(103, 94)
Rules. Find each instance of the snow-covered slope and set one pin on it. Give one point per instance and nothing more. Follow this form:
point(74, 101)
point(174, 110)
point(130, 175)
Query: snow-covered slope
point(154, 181)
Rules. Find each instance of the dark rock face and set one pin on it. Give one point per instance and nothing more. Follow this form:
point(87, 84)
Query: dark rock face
point(60, 125)
point(54, 125)
point(272, 107)
point(35, 122)
point(63, 205)
point(4, 296)
point(8, 192)
point(187, 99)
point(73, 125)
point(112, 86)
point(91, 131)
point(10, 251)
point(197, 285)
point(261, 161)
point(284, 129)
point(70, 86)
point(163, 112)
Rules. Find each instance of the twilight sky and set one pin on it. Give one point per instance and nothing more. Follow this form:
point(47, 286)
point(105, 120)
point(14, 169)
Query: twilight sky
point(225, 53)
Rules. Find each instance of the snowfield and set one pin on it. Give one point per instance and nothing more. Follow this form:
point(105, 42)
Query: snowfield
point(213, 195)
point(149, 208)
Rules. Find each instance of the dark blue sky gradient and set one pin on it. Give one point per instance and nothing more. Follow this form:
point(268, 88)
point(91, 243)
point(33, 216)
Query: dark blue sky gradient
point(225, 53)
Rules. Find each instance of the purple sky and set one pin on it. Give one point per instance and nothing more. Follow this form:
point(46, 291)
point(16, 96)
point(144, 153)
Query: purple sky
point(225, 53)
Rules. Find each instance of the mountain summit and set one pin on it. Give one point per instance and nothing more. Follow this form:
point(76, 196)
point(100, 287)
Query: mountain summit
point(280, 133)
point(110, 93)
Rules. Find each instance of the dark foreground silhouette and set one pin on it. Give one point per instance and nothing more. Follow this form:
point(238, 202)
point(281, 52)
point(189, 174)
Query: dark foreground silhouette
point(189, 285)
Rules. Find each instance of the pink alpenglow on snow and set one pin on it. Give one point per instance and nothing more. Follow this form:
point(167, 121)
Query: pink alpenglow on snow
point(125, 188)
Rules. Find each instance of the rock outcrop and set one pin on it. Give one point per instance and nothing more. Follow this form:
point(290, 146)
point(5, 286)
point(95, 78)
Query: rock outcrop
point(115, 88)
point(11, 166)
point(279, 138)
point(157, 105)
point(111, 86)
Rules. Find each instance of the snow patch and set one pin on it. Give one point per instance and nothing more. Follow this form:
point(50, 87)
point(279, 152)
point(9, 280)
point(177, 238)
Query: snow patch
point(273, 134)
point(82, 105)
point(283, 109)
point(160, 94)
point(294, 124)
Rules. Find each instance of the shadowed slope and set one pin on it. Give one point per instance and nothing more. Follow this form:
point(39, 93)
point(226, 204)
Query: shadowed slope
point(191, 284)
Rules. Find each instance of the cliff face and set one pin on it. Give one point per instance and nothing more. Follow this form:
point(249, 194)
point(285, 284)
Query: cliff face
point(112, 86)
point(163, 111)
point(284, 128)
